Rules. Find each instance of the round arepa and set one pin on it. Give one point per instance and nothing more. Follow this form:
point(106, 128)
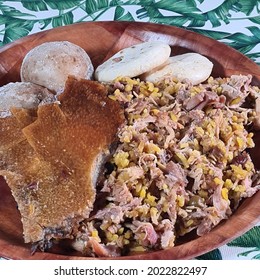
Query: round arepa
point(133, 61)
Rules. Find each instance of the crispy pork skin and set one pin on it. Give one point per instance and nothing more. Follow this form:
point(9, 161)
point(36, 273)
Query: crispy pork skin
point(52, 168)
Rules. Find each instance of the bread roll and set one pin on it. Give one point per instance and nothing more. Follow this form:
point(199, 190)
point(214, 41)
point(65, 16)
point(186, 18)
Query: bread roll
point(22, 95)
point(51, 63)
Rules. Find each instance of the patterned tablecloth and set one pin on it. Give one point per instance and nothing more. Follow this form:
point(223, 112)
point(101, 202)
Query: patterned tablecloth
point(234, 22)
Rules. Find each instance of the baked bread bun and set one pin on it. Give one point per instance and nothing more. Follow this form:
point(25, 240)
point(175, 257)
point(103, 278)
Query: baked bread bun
point(50, 64)
point(22, 95)
point(133, 61)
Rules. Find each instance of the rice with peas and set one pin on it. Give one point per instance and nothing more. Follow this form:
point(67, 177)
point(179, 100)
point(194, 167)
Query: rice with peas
point(181, 164)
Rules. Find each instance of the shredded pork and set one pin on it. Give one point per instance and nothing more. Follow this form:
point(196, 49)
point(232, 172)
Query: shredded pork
point(182, 163)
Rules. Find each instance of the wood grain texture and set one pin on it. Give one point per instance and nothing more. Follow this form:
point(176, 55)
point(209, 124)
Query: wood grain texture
point(101, 40)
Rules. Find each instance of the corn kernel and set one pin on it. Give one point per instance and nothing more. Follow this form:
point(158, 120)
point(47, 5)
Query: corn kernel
point(236, 126)
point(211, 172)
point(234, 118)
point(119, 79)
point(173, 117)
point(203, 193)
point(230, 156)
point(189, 223)
point(249, 166)
point(235, 101)
point(240, 188)
point(182, 159)
point(143, 91)
point(109, 236)
point(193, 157)
point(128, 234)
point(145, 111)
point(210, 80)
point(112, 97)
point(128, 87)
point(114, 237)
point(211, 127)
point(150, 86)
point(218, 181)
point(151, 148)
point(156, 94)
point(239, 172)
point(117, 92)
point(170, 90)
point(142, 193)
point(240, 142)
point(224, 193)
point(94, 233)
point(219, 90)
point(155, 111)
point(250, 142)
point(165, 207)
point(184, 145)
point(196, 144)
point(165, 187)
point(150, 199)
point(126, 139)
point(126, 242)
point(175, 80)
point(121, 159)
point(129, 97)
point(180, 200)
point(153, 211)
point(123, 176)
point(228, 184)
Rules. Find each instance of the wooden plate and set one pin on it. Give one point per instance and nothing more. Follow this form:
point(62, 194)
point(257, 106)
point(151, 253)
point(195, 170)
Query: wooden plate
point(101, 40)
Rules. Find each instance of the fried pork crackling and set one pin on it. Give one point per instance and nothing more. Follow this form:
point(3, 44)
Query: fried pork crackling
point(52, 164)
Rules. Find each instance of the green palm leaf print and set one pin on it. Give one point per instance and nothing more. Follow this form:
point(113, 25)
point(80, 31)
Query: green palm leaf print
point(121, 15)
point(213, 255)
point(247, 6)
point(43, 5)
point(249, 240)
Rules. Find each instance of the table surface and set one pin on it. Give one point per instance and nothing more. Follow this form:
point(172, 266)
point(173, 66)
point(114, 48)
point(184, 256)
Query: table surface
point(236, 23)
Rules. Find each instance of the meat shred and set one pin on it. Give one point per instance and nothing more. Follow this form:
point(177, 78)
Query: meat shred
point(181, 165)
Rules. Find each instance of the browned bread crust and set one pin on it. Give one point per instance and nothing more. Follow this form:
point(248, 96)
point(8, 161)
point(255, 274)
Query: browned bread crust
point(58, 161)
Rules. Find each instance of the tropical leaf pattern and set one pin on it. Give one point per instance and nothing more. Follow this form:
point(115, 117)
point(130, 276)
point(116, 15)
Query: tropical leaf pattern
point(250, 242)
point(233, 22)
point(213, 255)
